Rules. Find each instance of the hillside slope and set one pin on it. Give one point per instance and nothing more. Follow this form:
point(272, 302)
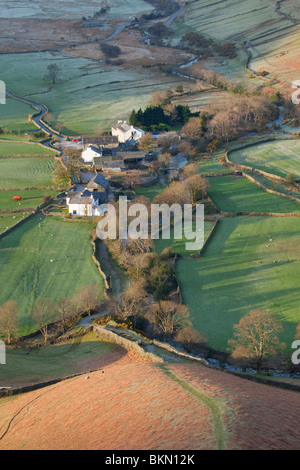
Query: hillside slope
point(145, 406)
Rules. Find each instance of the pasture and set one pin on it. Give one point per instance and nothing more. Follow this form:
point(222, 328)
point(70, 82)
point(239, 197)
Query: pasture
point(27, 273)
point(8, 220)
point(234, 194)
point(179, 246)
point(242, 270)
point(89, 96)
point(228, 21)
point(13, 149)
point(76, 356)
point(26, 172)
point(150, 191)
point(58, 9)
point(14, 117)
point(212, 167)
point(279, 157)
point(30, 198)
point(274, 38)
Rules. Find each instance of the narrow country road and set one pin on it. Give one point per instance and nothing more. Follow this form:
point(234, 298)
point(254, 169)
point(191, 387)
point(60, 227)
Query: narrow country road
point(176, 14)
point(39, 118)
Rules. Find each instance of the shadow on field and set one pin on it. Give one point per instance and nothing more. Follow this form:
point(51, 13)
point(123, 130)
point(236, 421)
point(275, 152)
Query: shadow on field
point(31, 366)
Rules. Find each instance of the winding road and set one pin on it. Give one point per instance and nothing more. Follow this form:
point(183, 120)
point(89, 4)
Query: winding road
point(38, 119)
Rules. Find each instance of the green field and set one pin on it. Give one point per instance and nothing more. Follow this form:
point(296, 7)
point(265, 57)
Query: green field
point(212, 167)
point(237, 274)
point(280, 157)
point(275, 39)
point(30, 198)
point(234, 194)
point(23, 149)
point(26, 172)
point(52, 362)
point(179, 246)
point(14, 117)
point(8, 220)
point(90, 96)
point(150, 191)
point(26, 272)
point(281, 188)
point(74, 10)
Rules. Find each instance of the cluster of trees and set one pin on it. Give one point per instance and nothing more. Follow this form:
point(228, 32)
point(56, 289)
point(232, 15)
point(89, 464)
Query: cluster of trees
point(156, 118)
point(201, 45)
point(192, 188)
point(163, 319)
point(243, 114)
point(153, 271)
point(64, 312)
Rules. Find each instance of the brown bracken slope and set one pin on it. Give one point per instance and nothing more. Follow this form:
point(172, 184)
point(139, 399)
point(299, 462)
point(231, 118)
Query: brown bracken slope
point(129, 405)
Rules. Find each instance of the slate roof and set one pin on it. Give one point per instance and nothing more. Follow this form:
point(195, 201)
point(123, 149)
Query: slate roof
point(102, 140)
point(95, 149)
point(99, 180)
point(87, 197)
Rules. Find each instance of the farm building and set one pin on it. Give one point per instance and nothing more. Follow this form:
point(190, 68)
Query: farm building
point(90, 153)
point(110, 164)
point(125, 132)
point(98, 184)
point(102, 141)
point(87, 204)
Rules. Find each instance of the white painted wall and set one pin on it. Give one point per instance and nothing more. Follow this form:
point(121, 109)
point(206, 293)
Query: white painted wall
point(88, 155)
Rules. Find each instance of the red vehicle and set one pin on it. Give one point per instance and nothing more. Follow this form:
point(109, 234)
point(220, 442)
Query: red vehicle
point(18, 198)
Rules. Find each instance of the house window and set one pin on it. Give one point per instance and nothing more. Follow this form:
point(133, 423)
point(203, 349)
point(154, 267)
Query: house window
point(74, 212)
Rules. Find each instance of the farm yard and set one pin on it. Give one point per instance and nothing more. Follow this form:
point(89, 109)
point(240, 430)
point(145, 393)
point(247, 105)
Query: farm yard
point(279, 157)
point(237, 194)
point(25, 259)
point(241, 270)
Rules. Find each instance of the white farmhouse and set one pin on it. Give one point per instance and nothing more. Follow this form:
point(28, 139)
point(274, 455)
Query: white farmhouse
point(90, 153)
point(125, 132)
point(87, 204)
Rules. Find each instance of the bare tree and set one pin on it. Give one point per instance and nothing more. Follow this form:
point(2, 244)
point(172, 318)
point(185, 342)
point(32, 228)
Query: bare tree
point(198, 186)
point(170, 317)
point(42, 314)
point(177, 192)
point(193, 129)
point(65, 311)
point(256, 337)
point(133, 303)
point(9, 312)
point(189, 338)
point(147, 142)
point(165, 158)
point(53, 73)
point(191, 170)
point(88, 298)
